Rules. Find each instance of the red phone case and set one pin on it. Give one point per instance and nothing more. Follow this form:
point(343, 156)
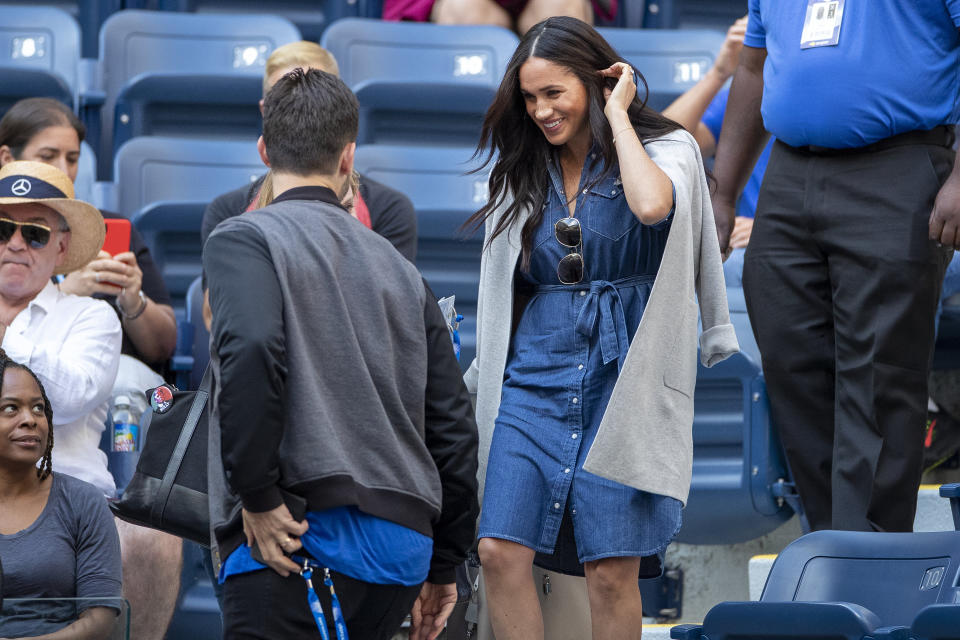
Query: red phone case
point(117, 239)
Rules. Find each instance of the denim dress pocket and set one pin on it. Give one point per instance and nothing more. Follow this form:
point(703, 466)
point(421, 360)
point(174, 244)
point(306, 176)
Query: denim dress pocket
point(607, 213)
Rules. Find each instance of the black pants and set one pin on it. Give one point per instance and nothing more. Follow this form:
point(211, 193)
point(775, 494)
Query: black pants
point(842, 284)
point(265, 606)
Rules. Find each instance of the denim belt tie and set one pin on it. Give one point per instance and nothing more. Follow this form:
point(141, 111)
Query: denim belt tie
point(603, 306)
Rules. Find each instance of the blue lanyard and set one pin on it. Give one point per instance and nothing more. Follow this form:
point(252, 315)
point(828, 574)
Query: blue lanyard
point(316, 609)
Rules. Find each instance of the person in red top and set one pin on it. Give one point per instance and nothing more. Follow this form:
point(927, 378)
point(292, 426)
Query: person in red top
point(385, 210)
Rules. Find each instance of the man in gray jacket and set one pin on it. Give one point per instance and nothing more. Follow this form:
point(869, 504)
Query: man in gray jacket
point(340, 432)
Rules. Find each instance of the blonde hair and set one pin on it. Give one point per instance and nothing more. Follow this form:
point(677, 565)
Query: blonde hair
point(265, 196)
point(299, 54)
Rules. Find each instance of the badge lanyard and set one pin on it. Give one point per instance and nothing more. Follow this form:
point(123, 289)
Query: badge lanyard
point(317, 609)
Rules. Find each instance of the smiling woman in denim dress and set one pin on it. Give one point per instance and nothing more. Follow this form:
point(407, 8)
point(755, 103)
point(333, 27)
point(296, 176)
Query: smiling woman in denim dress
point(568, 128)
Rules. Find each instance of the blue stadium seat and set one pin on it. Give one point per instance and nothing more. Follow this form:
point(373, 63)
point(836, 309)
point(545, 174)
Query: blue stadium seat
point(420, 83)
point(184, 74)
point(152, 169)
point(637, 14)
point(172, 231)
point(200, 343)
point(163, 186)
point(952, 493)
point(671, 60)
point(937, 622)
point(83, 186)
point(39, 54)
point(714, 14)
point(90, 14)
point(444, 197)
point(843, 584)
point(947, 352)
point(310, 16)
point(738, 467)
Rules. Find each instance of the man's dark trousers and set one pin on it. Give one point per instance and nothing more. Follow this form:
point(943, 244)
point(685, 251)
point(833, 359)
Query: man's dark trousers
point(262, 605)
point(842, 283)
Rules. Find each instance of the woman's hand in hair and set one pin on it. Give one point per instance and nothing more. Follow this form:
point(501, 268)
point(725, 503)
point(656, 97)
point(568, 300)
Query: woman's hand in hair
point(619, 98)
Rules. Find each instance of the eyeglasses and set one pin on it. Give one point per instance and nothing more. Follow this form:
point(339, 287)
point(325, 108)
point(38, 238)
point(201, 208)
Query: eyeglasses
point(35, 234)
point(569, 234)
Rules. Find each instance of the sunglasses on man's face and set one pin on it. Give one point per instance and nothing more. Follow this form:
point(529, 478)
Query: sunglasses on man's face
point(569, 234)
point(35, 234)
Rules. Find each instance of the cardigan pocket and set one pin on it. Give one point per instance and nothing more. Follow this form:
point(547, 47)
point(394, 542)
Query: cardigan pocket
point(680, 365)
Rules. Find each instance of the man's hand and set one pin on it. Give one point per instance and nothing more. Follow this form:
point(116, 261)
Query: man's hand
point(93, 278)
point(431, 610)
point(945, 218)
point(742, 228)
point(275, 532)
point(126, 273)
point(724, 215)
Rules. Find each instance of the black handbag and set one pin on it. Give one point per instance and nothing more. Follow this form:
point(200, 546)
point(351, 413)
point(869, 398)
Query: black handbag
point(168, 491)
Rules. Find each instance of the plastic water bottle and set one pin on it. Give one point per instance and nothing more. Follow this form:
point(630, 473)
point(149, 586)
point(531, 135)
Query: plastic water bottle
point(126, 425)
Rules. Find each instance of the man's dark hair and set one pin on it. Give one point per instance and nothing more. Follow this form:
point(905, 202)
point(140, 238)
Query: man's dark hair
point(308, 118)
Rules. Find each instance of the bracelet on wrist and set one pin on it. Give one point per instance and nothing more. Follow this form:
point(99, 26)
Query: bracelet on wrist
point(619, 132)
point(136, 314)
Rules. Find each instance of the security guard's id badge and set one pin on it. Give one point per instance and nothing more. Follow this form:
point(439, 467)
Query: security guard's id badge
point(821, 27)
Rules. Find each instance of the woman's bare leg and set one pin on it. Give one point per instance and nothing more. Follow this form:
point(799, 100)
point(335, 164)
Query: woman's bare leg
point(510, 590)
point(538, 10)
point(470, 12)
point(615, 607)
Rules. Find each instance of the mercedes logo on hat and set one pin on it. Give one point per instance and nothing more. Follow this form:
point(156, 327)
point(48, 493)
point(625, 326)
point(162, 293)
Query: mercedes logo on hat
point(21, 187)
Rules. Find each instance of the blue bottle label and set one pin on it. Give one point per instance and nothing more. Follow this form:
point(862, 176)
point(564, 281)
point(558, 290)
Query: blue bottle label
point(125, 436)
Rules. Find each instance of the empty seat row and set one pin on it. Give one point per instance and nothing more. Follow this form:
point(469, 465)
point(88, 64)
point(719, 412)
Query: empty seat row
point(200, 75)
point(310, 16)
point(851, 585)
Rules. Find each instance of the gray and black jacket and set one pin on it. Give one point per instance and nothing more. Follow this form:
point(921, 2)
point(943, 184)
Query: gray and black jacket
point(334, 378)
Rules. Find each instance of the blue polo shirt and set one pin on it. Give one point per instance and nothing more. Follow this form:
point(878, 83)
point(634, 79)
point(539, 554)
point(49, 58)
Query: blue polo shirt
point(713, 119)
point(896, 69)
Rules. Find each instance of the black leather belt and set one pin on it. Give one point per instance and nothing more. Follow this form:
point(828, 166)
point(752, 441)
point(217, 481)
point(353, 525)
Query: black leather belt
point(942, 136)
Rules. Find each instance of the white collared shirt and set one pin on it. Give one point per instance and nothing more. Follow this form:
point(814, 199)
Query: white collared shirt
point(72, 343)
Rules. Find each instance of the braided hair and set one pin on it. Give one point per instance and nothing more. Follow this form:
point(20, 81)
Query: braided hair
point(46, 462)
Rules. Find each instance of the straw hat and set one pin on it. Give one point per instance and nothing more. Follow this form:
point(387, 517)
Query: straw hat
point(23, 182)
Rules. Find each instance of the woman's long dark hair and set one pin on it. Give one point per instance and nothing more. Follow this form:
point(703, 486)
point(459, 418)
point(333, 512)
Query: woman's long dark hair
point(518, 143)
point(46, 463)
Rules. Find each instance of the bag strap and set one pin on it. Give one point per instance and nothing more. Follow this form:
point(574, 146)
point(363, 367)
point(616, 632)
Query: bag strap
point(180, 450)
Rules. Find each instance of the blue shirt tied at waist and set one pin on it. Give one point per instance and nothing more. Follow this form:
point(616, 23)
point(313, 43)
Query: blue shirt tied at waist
point(603, 306)
point(356, 544)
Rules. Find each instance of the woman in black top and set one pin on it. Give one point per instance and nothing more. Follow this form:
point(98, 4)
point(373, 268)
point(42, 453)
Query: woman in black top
point(45, 130)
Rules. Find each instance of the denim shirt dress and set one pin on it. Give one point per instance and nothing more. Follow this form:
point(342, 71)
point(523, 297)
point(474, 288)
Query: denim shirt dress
point(564, 359)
